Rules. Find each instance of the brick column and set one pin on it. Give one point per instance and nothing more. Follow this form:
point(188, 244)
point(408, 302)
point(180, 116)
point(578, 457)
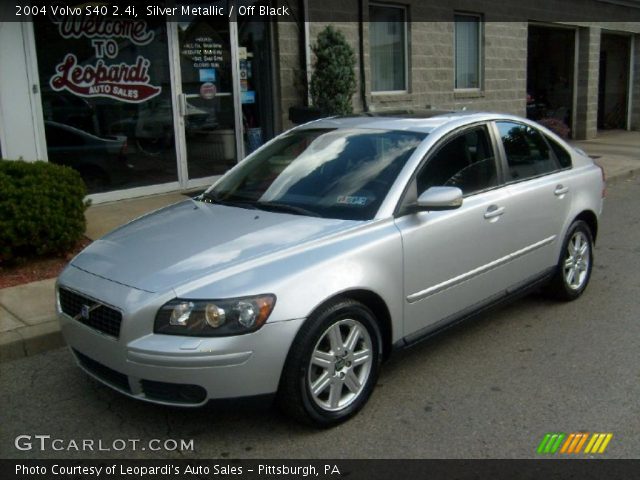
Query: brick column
point(588, 73)
point(289, 71)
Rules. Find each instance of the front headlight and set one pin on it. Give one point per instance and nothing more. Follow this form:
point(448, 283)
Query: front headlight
point(214, 318)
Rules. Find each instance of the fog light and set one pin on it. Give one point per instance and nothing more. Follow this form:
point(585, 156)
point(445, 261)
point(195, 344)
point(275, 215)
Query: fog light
point(214, 315)
point(192, 393)
point(180, 314)
point(246, 314)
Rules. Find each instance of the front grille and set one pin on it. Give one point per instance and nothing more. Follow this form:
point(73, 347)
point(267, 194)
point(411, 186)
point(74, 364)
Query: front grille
point(103, 372)
point(173, 392)
point(96, 315)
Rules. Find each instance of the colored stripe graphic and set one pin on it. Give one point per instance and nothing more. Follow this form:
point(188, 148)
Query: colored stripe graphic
point(573, 443)
point(551, 442)
point(569, 441)
point(598, 443)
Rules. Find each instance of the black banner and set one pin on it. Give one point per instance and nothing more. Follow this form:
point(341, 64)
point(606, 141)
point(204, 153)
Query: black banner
point(322, 469)
point(327, 10)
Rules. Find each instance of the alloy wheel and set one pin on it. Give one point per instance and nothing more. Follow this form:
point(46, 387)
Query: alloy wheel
point(577, 260)
point(340, 365)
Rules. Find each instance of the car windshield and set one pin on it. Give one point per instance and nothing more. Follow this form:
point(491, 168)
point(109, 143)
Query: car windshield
point(330, 173)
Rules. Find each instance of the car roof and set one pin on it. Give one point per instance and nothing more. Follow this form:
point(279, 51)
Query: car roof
point(414, 121)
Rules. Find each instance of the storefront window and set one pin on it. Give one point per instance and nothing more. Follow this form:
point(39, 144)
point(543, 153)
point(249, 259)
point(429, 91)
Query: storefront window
point(106, 99)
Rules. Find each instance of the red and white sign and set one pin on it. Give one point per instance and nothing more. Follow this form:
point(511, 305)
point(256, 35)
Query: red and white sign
point(78, 26)
point(208, 91)
point(128, 83)
point(120, 81)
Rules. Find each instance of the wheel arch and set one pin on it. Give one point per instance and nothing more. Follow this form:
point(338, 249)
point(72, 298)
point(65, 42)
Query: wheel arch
point(378, 307)
point(591, 219)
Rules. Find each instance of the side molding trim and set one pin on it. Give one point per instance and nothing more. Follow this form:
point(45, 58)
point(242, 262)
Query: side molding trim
point(452, 282)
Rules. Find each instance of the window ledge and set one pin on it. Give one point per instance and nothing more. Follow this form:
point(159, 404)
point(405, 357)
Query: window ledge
point(385, 97)
point(471, 93)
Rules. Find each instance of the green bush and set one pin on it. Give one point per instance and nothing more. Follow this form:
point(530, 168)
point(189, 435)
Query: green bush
point(333, 81)
point(41, 209)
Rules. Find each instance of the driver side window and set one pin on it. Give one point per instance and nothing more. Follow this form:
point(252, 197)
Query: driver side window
point(466, 161)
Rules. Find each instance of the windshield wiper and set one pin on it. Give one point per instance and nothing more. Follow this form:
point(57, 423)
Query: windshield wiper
point(283, 207)
point(204, 196)
point(270, 206)
point(209, 197)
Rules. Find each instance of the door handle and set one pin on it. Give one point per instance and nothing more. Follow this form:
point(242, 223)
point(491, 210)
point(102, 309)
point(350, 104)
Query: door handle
point(560, 190)
point(182, 104)
point(493, 211)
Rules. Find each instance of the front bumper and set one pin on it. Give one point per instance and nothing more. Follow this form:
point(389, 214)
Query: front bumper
point(170, 369)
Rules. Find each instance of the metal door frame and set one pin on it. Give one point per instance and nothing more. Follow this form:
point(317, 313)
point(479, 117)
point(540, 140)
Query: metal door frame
point(177, 102)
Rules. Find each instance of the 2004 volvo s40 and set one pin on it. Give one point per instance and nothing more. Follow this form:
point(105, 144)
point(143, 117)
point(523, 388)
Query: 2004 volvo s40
point(298, 271)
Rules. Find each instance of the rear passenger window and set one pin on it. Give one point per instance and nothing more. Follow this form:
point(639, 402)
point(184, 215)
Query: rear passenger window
point(466, 162)
point(563, 157)
point(528, 154)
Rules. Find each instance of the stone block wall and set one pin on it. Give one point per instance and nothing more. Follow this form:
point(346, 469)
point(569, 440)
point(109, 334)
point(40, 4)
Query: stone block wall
point(431, 57)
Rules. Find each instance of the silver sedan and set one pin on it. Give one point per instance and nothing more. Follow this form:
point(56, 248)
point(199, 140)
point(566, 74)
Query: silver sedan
point(298, 272)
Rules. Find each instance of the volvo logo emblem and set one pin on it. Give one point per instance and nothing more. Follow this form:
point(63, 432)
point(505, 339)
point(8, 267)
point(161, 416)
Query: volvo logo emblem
point(85, 311)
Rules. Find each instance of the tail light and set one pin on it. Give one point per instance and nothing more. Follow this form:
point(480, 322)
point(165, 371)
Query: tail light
point(123, 149)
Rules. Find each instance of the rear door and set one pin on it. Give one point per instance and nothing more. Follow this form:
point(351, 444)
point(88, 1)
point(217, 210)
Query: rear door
point(452, 258)
point(539, 187)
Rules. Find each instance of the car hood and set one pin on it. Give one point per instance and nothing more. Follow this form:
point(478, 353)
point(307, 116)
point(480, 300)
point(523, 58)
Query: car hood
point(192, 239)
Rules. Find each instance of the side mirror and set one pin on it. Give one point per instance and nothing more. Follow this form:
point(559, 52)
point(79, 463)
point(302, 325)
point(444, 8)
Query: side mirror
point(440, 198)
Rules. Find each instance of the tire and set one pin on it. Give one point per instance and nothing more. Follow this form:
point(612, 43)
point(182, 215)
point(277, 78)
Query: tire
point(573, 271)
point(154, 146)
point(343, 371)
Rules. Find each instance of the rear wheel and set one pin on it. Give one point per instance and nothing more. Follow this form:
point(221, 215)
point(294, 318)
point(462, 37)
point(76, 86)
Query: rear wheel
point(576, 261)
point(333, 365)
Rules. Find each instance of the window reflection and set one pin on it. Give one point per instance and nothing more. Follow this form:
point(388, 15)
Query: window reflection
point(106, 100)
point(334, 173)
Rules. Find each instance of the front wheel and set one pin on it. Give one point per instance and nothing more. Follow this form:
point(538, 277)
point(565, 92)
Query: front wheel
point(333, 365)
point(576, 261)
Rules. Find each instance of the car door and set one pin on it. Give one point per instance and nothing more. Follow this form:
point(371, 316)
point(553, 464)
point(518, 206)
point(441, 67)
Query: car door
point(539, 188)
point(452, 258)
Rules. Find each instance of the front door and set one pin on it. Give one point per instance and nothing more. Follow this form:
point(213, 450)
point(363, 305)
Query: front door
point(454, 259)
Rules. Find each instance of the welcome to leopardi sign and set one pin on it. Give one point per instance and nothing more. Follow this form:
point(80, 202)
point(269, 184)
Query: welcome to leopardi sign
point(127, 82)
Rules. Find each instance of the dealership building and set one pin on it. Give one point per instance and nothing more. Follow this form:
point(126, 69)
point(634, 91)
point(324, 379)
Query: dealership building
point(156, 104)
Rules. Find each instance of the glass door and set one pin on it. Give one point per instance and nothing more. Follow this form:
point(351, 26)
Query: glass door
point(255, 74)
point(207, 92)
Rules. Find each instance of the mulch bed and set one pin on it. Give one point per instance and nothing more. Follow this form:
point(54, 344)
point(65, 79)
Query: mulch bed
point(38, 268)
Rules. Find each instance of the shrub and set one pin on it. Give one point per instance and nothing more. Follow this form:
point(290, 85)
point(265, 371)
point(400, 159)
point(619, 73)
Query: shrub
point(41, 209)
point(333, 81)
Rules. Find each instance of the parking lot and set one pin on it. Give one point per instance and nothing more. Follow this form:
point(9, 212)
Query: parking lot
point(490, 388)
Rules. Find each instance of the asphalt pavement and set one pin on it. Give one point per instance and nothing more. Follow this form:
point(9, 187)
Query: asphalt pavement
point(491, 388)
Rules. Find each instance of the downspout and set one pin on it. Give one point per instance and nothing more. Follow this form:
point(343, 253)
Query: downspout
point(306, 49)
point(363, 87)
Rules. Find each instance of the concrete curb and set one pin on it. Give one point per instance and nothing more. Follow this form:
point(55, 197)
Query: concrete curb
point(29, 340)
point(28, 322)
